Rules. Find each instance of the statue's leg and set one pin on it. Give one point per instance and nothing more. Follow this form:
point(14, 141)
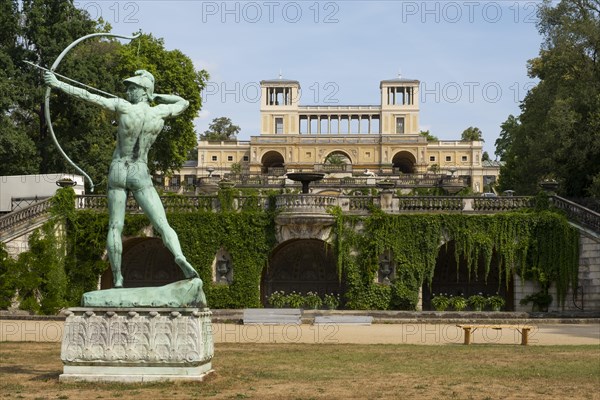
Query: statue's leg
point(116, 220)
point(148, 199)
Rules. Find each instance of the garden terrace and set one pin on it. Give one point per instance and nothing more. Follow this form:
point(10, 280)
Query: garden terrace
point(376, 251)
point(275, 178)
point(359, 204)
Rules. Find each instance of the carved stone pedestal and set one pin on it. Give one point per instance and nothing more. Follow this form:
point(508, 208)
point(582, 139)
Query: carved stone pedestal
point(137, 344)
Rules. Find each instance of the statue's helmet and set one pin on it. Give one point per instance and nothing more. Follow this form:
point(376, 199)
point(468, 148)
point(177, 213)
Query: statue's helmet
point(143, 79)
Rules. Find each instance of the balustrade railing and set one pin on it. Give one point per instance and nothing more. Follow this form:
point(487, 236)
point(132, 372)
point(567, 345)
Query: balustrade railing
point(253, 202)
point(362, 203)
point(19, 203)
point(177, 203)
point(25, 214)
point(499, 204)
point(430, 203)
point(304, 203)
point(333, 167)
point(351, 203)
point(315, 203)
point(347, 181)
point(417, 181)
point(578, 213)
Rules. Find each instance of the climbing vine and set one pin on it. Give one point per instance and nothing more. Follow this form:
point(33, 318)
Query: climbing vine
point(247, 236)
point(539, 246)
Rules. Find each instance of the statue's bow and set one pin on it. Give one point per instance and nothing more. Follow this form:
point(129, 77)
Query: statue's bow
point(49, 89)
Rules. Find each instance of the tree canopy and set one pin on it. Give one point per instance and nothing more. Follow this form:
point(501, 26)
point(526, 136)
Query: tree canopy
point(558, 131)
point(471, 134)
point(427, 135)
point(221, 129)
point(37, 32)
point(336, 159)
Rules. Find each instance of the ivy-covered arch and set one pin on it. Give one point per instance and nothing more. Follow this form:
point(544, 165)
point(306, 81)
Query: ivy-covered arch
point(301, 265)
point(452, 277)
point(145, 262)
point(539, 246)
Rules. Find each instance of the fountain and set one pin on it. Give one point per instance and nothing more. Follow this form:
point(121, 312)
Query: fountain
point(305, 178)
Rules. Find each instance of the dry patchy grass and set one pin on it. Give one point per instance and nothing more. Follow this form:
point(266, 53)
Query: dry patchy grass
point(330, 371)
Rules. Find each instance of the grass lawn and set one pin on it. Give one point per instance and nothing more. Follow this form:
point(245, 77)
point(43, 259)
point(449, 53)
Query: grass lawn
point(333, 371)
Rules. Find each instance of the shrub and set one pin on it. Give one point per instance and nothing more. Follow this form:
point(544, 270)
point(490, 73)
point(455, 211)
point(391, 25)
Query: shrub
point(440, 302)
point(332, 301)
point(277, 299)
point(477, 302)
point(458, 303)
point(295, 300)
point(495, 302)
point(312, 300)
point(540, 300)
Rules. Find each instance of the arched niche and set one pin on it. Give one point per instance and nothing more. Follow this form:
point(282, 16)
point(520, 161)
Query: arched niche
point(301, 265)
point(222, 268)
point(145, 262)
point(270, 160)
point(404, 162)
point(337, 157)
point(447, 281)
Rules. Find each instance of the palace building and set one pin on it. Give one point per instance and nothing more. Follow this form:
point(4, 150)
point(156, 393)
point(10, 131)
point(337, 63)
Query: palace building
point(341, 140)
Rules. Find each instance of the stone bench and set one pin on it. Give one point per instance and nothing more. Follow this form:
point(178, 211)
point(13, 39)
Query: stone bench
point(344, 320)
point(273, 316)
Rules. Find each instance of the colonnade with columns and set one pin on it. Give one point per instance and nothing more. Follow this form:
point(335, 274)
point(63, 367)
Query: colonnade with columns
point(401, 95)
point(343, 121)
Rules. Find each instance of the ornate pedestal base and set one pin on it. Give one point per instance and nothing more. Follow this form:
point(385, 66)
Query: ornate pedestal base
point(137, 344)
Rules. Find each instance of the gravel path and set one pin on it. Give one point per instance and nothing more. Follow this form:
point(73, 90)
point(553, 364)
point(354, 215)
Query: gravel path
point(406, 333)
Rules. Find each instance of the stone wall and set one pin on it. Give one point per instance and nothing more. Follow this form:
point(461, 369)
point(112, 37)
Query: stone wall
point(18, 245)
point(589, 271)
point(587, 295)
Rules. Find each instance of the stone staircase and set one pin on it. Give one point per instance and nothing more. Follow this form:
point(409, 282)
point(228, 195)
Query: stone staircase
point(24, 221)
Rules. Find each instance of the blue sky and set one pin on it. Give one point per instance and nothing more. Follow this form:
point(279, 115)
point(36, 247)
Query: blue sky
point(470, 56)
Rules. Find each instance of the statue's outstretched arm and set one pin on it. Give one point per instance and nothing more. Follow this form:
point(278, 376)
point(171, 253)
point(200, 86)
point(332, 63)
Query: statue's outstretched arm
point(104, 102)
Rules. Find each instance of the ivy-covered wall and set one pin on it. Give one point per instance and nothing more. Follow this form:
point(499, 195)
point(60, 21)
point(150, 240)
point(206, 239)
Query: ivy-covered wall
point(248, 237)
point(66, 257)
point(539, 246)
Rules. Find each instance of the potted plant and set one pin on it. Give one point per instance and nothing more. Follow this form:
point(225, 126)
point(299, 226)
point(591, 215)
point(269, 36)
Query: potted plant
point(458, 303)
point(295, 300)
point(477, 302)
point(312, 301)
point(440, 302)
point(277, 299)
point(496, 302)
point(331, 301)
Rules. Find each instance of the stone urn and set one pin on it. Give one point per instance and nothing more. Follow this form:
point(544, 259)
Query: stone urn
point(386, 184)
point(549, 186)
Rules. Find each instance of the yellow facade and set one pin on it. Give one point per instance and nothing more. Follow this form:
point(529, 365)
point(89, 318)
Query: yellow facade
point(383, 139)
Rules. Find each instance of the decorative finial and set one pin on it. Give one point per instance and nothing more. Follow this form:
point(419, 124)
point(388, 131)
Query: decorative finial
point(399, 73)
point(280, 74)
